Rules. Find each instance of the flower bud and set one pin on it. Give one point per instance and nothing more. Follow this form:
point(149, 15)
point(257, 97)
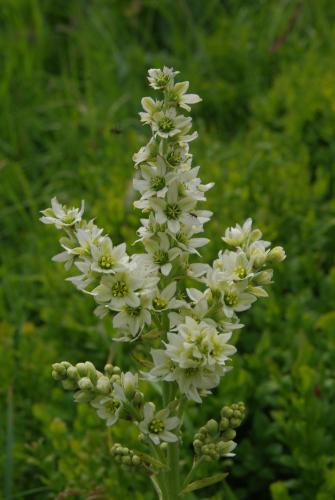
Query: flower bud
point(138, 397)
point(81, 369)
point(229, 434)
point(276, 255)
point(58, 371)
point(129, 383)
point(91, 371)
point(224, 424)
point(163, 446)
point(103, 385)
point(264, 277)
point(136, 460)
point(108, 369)
point(72, 373)
point(226, 412)
point(69, 385)
point(212, 426)
point(85, 384)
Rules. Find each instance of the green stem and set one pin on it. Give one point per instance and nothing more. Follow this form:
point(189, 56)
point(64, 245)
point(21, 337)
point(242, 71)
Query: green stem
point(172, 475)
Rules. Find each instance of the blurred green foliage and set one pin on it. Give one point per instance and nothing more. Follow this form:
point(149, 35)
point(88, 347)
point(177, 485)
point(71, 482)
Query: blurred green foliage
point(72, 74)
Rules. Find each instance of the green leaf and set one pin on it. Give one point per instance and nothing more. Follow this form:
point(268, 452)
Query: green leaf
point(153, 461)
point(202, 483)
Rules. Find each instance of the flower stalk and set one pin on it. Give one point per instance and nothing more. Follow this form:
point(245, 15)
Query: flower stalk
point(147, 292)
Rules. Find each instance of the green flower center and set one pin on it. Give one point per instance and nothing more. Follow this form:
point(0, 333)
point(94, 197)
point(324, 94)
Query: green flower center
point(230, 299)
point(159, 303)
point(172, 211)
point(240, 271)
point(68, 218)
point(166, 124)
point(111, 405)
point(106, 262)
point(162, 80)
point(156, 426)
point(174, 157)
point(161, 257)
point(157, 183)
point(133, 311)
point(182, 238)
point(119, 289)
point(189, 372)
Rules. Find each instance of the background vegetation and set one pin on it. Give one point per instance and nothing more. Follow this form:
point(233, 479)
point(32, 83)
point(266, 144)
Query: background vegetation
point(72, 74)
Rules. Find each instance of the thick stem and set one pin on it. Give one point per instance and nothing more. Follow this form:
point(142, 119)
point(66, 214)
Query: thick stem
point(172, 475)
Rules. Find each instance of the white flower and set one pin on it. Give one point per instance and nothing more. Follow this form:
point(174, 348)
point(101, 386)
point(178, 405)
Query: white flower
point(107, 258)
point(146, 153)
point(174, 210)
point(87, 278)
point(119, 290)
point(108, 408)
point(154, 181)
point(198, 344)
point(177, 95)
point(62, 216)
point(159, 79)
point(236, 299)
point(160, 254)
point(234, 266)
point(236, 236)
point(165, 299)
point(127, 386)
point(177, 155)
point(157, 425)
point(195, 357)
point(150, 108)
point(168, 124)
point(133, 319)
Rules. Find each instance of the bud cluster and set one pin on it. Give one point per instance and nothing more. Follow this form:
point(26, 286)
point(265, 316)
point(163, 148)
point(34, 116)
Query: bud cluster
point(86, 379)
point(215, 440)
point(125, 456)
point(231, 418)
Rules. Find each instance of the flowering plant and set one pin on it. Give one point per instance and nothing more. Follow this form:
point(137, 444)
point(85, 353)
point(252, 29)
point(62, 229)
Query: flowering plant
point(183, 311)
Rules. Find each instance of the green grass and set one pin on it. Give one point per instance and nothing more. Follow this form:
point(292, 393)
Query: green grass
point(72, 75)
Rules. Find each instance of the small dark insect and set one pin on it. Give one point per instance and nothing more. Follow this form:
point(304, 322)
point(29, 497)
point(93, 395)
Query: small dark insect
point(115, 130)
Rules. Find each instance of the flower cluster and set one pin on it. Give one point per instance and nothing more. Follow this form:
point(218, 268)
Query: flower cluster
point(108, 393)
point(146, 290)
point(215, 440)
point(186, 310)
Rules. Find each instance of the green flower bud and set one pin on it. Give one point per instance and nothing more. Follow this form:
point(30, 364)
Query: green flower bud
point(103, 385)
point(91, 371)
point(136, 460)
point(138, 397)
point(212, 426)
point(276, 255)
point(255, 235)
point(224, 423)
point(69, 385)
point(116, 370)
point(197, 444)
point(163, 446)
point(229, 434)
point(58, 371)
point(263, 277)
point(108, 369)
point(84, 396)
point(85, 384)
point(126, 460)
point(81, 369)
point(227, 412)
point(235, 422)
point(72, 373)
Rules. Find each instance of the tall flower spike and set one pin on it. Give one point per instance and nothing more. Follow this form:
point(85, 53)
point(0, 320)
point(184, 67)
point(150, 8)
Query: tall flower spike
point(147, 293)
